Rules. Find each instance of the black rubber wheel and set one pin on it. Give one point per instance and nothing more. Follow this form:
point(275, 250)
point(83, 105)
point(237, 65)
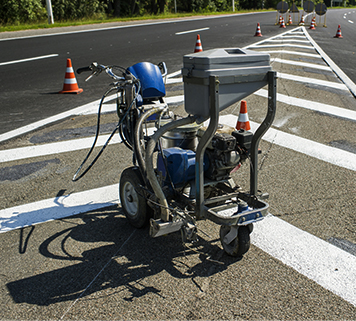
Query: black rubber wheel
point(133, 203)
point(238, 246)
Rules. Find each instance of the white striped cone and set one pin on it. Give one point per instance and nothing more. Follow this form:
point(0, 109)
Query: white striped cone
point(243, 122)
point(198, 46)
point(70, 83)
point(338, 33)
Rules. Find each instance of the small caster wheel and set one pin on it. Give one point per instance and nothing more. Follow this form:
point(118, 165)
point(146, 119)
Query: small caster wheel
point(235, 240)
point(133, 204)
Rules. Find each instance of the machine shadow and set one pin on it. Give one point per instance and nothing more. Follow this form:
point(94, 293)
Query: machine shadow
point(123, 259)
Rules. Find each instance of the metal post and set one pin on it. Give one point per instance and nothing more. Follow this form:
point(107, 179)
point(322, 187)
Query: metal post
point(233, 5)
point(204, 142)
point(266, 124)
point(49, 12)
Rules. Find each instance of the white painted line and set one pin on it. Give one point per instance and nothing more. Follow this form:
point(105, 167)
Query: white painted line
point(313, 81)
point(9, 155)
point(297, 53)
point(312, 105)
point(293, 37)
point(290, 40)
point(174, 74)
point(49, 120)
point(302, 64)
point(191, 31)
point(27, 59)
point(282, 45)
point(82, 110)
point(305, 146)
point(58, 207)
point(345, 79)
point(329, 266)
point(350, 21)
point(173, 80)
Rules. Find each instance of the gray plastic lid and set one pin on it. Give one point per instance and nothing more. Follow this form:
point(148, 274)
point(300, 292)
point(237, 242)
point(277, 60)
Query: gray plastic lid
point(226, 55)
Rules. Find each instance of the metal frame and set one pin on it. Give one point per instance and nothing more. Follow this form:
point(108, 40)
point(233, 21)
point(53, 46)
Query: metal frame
point(260, 207)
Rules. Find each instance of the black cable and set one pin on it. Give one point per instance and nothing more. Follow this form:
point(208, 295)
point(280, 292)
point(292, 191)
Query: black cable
point(75, 178)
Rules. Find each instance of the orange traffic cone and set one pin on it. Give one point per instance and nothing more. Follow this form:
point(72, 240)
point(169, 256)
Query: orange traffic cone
point(314, 19)
point(312, 25)
point(289, 20)
point(243, 122)
point(280, 20)
point(283, 25)
point(198, 46)
point(258, 31)
point(70, 83)
point(301, 23)
point(338, 32)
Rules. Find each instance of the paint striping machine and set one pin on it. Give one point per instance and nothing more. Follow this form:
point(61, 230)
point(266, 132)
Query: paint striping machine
point(182, 166)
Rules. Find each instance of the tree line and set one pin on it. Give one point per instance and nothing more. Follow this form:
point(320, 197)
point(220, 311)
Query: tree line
point(24, 11)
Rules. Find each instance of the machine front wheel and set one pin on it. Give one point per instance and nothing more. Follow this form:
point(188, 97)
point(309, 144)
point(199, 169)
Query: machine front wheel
point(133, 204)
point(239, 245)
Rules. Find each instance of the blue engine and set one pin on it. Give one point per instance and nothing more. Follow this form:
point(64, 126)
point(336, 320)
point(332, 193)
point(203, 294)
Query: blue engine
point(180, 165)
point(152, 85)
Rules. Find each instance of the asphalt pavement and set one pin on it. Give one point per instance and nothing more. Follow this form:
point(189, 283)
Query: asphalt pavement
point(94, 265)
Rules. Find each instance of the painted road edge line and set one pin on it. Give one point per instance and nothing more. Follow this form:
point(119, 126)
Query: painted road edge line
point(329, 266)
point(344, 78)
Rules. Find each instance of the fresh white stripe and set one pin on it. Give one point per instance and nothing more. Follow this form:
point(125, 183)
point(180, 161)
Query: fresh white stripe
point(70, 70)
point(191, 31)
point(293, 37)
point(173, 74)
point(298, 53)
point(82, 110)
point(313, 81)
point(281, 45)
point(289, 40)
point(346, 80)
point(305, 146)
point(302, 64)
point(329, 266)
point(174, 80)
point(58, 207)
point(312, 105)
point(9, 155)
point(27, 59)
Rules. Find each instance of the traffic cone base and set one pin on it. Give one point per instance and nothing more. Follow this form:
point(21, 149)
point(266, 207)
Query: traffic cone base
point(243, 121)
point(198, 46)
point(338, 33)
point(70, 83)
point(258, 31)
